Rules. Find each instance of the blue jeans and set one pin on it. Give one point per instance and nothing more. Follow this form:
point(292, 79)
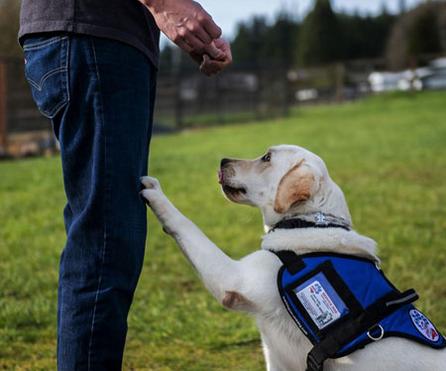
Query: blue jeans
point(99, 95)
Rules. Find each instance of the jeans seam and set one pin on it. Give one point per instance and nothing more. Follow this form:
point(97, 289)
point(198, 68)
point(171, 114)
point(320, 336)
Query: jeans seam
point(65, 80)
point(104, 246)
point(41, 44)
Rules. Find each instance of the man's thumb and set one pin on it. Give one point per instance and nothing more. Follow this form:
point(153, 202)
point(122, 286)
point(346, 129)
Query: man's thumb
point(214, 52)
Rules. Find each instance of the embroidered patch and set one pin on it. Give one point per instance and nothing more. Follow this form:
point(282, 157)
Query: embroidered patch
point(424, 326)
point(321, 301)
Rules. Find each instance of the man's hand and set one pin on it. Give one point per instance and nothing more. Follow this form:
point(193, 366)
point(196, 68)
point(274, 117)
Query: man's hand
point(188, 25)
point(210, 66)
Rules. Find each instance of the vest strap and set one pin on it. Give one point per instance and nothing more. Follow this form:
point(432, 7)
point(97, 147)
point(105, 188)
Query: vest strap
point(290, 260)
point(350, 329)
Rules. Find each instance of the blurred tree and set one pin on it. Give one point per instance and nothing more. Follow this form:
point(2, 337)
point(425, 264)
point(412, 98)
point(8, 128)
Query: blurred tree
point(9, 25)
point(423, 35)
point(418, 32)
point(281, 40)
point(248, 46)
point(365, 36)
point(442, 27)
point(323, 37)
point(320, 39)
point(259, 43)
point(167, 58)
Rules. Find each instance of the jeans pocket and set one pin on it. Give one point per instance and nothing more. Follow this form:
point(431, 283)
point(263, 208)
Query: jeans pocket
point(46, 70)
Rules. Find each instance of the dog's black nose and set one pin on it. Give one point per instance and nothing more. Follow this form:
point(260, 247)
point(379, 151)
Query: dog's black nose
point(225, 161)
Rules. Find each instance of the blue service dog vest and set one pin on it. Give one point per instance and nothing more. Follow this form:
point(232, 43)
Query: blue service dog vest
point(342, 303)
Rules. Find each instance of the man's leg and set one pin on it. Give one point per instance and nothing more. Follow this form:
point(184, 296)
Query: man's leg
point(104, 133)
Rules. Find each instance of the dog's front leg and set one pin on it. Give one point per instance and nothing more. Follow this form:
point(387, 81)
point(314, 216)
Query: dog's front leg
point(220, 274)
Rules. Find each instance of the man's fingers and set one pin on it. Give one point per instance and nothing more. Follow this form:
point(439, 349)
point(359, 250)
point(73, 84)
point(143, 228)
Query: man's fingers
point(199, 47)
point(205, 67)
point(220, 43)
point(211, 28)
point(211, 67)
point(200, 33)
point(214, 52)
point(204, 61)
point(205, 19)
point(225, 47)
point(184, 45)
point(194, 42)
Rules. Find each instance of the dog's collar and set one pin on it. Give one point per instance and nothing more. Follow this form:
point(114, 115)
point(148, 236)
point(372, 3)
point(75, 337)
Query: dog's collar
point(312, 220)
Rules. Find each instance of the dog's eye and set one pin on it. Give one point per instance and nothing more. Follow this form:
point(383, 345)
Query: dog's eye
point(267, 157)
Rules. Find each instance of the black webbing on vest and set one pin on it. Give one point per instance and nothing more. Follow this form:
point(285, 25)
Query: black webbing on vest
point(290, 260)
point(350, 329)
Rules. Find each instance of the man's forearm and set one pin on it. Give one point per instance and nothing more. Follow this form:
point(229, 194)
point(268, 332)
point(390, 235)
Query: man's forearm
point(153, 5)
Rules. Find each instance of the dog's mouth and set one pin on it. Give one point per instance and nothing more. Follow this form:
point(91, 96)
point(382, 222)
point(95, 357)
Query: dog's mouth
point(232, 191)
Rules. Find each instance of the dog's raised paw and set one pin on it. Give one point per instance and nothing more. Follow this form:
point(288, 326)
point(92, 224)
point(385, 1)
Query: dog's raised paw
point(150, 182)
point(144, 197)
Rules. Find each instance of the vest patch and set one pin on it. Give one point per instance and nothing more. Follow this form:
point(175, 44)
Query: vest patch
point(321, 301)
point(424, 326)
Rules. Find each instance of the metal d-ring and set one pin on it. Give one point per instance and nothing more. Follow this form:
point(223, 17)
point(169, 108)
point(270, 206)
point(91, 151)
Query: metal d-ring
point(371, 337)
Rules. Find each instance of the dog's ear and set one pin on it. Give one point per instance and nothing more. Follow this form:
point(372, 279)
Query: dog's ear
point(296, 186)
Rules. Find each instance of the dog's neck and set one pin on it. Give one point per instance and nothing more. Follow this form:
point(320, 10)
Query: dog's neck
point(330, 240)
point(315, 220)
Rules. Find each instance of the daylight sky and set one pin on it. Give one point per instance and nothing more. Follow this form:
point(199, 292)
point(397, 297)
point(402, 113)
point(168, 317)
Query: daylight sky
point(228, 12)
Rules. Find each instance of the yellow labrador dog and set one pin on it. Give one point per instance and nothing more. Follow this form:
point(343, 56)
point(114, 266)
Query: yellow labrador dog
point(285, 182)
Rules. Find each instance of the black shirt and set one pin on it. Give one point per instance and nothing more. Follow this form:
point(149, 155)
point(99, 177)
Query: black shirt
point(127, 21)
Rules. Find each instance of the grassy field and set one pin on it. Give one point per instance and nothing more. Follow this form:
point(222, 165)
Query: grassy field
point(388, 154)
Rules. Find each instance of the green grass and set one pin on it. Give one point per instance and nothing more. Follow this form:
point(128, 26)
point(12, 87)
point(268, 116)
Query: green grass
point(388, 154)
